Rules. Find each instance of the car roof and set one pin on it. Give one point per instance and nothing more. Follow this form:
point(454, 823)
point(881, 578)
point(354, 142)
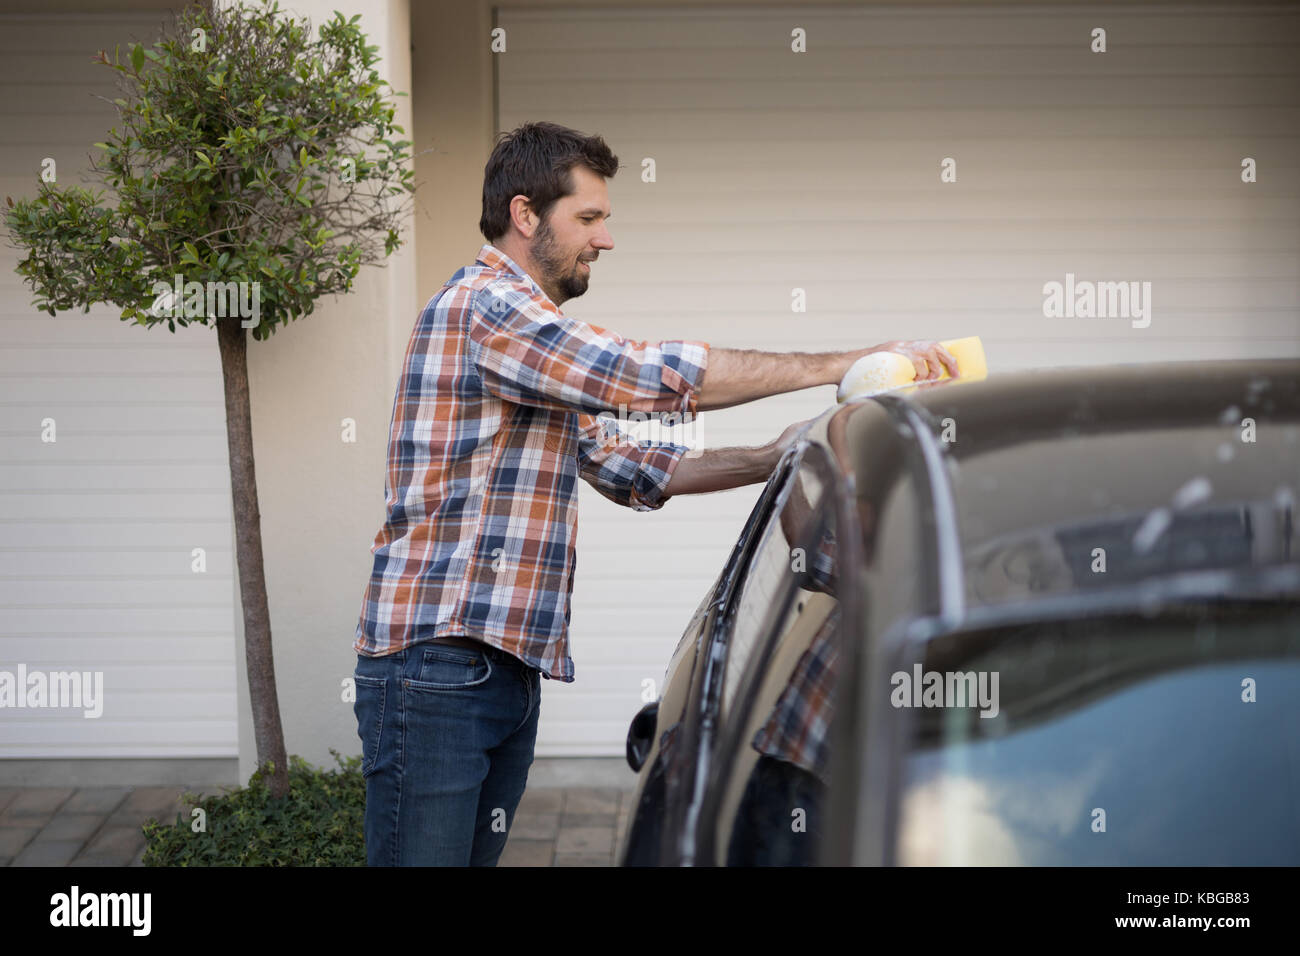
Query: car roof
point(1021, 477)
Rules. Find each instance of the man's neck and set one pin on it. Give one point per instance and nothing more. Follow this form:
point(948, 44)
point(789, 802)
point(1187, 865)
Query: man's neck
point(519, 253)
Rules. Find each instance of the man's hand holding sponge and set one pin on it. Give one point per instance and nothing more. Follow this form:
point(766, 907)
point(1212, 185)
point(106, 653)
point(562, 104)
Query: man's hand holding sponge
point(733, 376)
point(899, 364)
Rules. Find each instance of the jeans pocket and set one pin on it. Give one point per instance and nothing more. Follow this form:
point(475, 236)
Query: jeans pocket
point(450, 668)
point(372, 694)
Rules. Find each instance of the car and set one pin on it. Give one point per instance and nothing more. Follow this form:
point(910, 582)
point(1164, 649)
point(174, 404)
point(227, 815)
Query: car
point(1047, 618)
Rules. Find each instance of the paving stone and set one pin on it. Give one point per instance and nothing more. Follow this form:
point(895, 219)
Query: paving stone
point(541, 800)
point(48, 853)
point(589, 800)
point(159, 803)
point(580, 859)
point(34, 805)
point(70, 826)
point(527, 853)
point(535, 826)
point(574, 820)
point(584, 840)
point(139, 857)
point(112, 846)
point(7, 794)
point(153, 799)
point(13, 839)
point(101, 800)
point(4, 860)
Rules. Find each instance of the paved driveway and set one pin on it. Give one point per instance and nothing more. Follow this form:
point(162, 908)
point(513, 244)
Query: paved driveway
point(100, 826)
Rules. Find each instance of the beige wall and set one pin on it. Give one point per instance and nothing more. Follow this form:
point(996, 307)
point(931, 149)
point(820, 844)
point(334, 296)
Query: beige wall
point(322, 500)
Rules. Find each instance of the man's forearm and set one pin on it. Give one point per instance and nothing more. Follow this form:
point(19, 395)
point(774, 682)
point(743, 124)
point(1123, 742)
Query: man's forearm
point(720, 468)
point(734, 376)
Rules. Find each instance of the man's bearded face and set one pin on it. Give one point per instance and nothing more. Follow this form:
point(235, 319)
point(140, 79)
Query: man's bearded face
point(562, 268)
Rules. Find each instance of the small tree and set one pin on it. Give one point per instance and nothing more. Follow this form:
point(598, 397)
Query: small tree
point(254, 173)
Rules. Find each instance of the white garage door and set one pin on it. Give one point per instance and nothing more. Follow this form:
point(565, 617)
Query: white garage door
point(821, 171)
point(98, 527)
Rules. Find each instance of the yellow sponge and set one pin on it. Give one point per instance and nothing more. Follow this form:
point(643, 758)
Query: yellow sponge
point(883, 371)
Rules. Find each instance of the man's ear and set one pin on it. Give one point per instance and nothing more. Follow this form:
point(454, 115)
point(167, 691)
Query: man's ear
point(522, 215)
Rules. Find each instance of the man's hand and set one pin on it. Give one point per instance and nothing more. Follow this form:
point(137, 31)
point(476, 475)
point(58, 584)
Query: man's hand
point(786, 439)
point(719, 468)
point(930, 358)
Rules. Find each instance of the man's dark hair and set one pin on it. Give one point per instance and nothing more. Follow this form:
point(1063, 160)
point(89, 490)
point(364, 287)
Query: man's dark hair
point(536, 160)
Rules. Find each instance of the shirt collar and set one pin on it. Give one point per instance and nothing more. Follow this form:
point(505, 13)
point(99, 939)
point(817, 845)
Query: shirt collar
point(490, 257)
point(493, 258)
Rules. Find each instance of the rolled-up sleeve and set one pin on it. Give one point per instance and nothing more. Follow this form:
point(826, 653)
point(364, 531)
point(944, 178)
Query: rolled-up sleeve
point(526, 351)
point(628, 472)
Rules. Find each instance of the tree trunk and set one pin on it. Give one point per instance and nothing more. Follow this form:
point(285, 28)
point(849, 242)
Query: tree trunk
point(248, 556)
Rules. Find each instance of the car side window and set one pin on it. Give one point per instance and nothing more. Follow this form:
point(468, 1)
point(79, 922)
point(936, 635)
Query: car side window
point(772, 764)
point(787, 554)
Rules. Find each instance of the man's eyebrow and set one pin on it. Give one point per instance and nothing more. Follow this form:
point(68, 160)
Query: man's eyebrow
point(592, 211)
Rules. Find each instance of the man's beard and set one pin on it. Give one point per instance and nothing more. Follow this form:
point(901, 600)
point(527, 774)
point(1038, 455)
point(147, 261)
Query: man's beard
point(558, 269)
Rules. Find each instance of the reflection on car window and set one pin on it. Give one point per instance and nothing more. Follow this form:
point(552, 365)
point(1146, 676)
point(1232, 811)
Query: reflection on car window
point(1164, 742)
point(784, 555)
point(780, 818)
point(1095, 553)
point(781, 771)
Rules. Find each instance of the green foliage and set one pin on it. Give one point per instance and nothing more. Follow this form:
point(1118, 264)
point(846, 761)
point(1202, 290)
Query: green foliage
point(267, 155)
point(320, 823)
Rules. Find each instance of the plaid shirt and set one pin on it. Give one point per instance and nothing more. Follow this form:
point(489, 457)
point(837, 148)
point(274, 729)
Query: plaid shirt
point(494, 420)
point(798, 728)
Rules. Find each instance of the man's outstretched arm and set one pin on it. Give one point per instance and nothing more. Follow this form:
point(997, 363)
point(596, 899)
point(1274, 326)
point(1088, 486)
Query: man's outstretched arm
point(720, 468)
point(734, 376)
point(717, 469)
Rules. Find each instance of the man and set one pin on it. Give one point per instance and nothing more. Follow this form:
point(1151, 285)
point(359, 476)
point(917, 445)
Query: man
point(494, 420)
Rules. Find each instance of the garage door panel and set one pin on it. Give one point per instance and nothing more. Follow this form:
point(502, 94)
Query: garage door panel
point(114, 621)
point(864, 29)
point(1236, 236)
point(97, 528)
point(852, 124)
point(852, 94)
point(856, 63)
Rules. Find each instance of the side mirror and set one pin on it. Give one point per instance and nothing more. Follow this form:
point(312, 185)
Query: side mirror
point(641, 734)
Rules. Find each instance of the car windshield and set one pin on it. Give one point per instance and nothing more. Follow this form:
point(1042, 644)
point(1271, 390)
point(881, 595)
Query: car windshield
point(1168, 740)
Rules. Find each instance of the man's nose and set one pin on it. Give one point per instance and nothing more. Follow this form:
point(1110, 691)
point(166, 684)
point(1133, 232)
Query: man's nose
point(604, 240)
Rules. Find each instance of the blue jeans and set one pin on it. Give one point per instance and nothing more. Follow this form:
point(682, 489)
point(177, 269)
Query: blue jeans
point(447, 737)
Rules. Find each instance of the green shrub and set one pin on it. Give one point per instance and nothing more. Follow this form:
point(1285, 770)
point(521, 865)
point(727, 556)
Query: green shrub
point(320, 823)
